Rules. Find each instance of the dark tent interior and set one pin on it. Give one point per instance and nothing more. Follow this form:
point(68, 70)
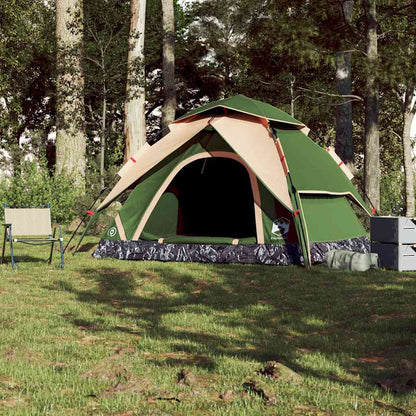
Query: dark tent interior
point(209, 197)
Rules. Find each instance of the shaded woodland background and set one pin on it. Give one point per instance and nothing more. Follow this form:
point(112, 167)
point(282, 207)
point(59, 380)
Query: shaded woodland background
point(345, 68)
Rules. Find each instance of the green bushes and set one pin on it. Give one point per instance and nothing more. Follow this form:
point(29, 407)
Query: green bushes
point(393, 199)
point(34, 186)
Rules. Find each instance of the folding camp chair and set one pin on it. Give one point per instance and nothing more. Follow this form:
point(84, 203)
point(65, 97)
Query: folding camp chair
point(28, 225)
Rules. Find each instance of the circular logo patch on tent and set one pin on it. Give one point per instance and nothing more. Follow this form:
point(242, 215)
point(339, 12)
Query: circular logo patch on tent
point(280, 228)
point(112, 231)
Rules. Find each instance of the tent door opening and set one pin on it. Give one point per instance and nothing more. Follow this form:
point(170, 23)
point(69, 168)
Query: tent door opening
point(209, 197)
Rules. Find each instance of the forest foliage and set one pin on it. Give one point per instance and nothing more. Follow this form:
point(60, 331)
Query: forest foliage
point(282, 52)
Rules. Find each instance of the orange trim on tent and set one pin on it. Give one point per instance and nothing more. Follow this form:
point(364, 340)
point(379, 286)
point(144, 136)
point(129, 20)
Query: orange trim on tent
point(282, 156)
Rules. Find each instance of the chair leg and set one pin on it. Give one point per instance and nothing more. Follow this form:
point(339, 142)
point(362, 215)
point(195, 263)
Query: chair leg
point(4, 244)
point(14, 264)
point(52, 244)
point(61, 247)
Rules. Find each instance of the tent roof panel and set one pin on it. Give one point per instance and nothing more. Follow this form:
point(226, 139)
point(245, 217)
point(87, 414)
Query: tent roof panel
point(149, 156)
point(312, 169)
point(255, 145)
point(330, 218)
point(247, 105)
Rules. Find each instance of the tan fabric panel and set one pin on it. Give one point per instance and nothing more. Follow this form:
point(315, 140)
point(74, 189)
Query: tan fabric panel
point(130, 163)
point(168, 180)
point(254, 143)
point(120, 228)
point(305, 130)
point(29, 221)
point(339, 162)
point(150, 156)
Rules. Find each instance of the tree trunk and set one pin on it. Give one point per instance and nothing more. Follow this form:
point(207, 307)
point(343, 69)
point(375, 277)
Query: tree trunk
point(372, 148)
point(103, 137)
point(103, 120)
point(344, 144)
point(135, 123)
point(408, 114)
point(70, 111)
point(169, 104)
point(292, 95)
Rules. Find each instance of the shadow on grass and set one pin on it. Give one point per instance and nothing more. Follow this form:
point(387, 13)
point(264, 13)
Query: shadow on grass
point(320, 323)
point(24, 258)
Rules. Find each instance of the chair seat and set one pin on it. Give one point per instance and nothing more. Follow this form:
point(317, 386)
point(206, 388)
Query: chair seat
point(19, 239)
point(32, 226)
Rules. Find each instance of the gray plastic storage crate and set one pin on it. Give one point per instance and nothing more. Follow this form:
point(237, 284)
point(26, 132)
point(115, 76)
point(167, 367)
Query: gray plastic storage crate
point(400, 257)
point(393, 230)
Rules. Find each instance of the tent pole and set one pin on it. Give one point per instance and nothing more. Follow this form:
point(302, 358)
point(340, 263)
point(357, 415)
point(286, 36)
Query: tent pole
point(89, 211)
point(85, 216)
point(304, 243)
point(82, 236)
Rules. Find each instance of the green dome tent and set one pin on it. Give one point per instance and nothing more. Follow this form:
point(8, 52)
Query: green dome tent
point(236, 180)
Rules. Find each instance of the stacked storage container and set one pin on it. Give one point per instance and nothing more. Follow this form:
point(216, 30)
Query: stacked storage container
point(394, 240)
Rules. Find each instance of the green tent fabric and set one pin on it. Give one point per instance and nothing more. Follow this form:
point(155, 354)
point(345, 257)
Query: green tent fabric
point(330, 218)
point(249, 106)
point(310, 167)
point(138, 201)
point(164, 218)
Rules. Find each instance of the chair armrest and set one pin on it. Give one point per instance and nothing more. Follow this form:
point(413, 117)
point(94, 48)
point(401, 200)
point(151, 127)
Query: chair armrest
point(5, 225)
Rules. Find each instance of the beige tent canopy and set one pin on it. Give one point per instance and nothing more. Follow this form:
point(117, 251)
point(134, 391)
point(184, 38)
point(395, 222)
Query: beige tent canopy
point(249, 136)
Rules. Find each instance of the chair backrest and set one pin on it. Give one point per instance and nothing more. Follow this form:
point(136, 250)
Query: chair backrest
point(29, 221)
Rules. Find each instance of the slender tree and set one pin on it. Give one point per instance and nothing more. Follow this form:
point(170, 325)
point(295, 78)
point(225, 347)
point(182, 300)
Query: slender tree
point(105, 49)
point(371, 103)
point(135, 123)
point(344, 144)
point(169, 103)
point(70, 113)
point(409, 111)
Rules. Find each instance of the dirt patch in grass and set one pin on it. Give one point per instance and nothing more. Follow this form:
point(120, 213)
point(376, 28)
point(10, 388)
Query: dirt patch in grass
point(377, 362)
point(24, 353)
point(227, 396)
point(12, 402)
point(277, 371)
point(391, 316)
point(90, 340)
point(109, 369)
point(259, 388)
point(7, 384)
point(186, 378)
point(181, 359)
point(8, 396)
point(135, 385)
point(307, 410)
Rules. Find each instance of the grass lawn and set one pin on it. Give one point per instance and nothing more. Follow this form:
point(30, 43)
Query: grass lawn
point(107, 337)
